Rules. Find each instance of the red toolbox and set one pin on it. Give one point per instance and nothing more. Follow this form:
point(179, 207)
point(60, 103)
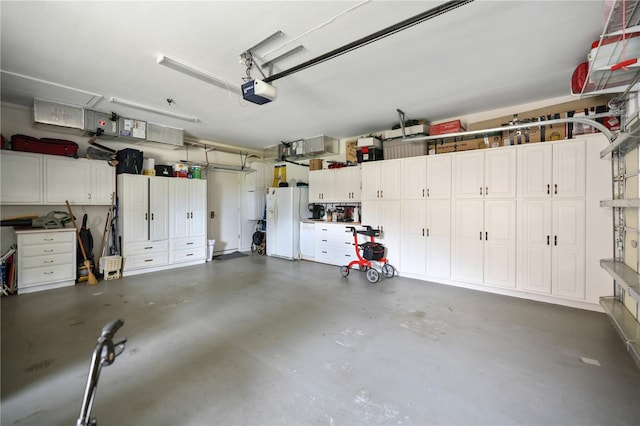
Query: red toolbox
point(447, 127)
point(44, 146)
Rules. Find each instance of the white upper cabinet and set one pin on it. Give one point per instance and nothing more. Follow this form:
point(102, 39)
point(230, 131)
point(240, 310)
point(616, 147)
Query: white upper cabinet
point(439, 176)
point(486, 174)
point(414, 178)
point(79, 181)
point(345, 184)
point(555, 169)
point(21, 178)
point(382, 180)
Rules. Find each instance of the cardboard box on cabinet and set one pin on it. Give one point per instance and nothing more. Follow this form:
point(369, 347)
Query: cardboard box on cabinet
point(351, 151)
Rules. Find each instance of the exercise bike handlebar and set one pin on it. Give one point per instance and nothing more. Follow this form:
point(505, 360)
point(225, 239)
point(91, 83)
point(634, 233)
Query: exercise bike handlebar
point(104, 354)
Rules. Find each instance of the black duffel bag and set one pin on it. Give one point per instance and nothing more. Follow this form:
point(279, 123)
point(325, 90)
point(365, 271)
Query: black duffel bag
point(372, 250)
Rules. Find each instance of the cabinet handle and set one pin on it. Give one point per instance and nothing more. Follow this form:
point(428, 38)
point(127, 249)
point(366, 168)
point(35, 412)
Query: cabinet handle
point(187, 215)
point(48, 250)
point(378, 194)
point(146, 216)
point(548, 236)
point(190, 254)
point(423, 232)
point(48, 261)
point(428, 195)
point(381, 194)
point(548, 189)
point(48, 273)
point(486, 236)
point(48, 239)
point(427, 232)
point(89, 196)
point(555, 188)
point(151, 216)
point(422, 192)
point(555, 240)
point(480, 190)
point(148, 248)
point(191, 215)
point(148, 260)
point(481, 231)
point(189, 244)
point(486, 190)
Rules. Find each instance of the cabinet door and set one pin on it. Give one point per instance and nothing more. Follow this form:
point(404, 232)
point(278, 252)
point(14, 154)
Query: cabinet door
point(159, 208)
point(355, 183)
point(198, 214)
point(569, 169)
point(438, 261)
point(67, 179)
point(315, 186)
point(414, 178)
point(568, 248)
point(179, 208)
point(341, 184)
point(390, 218)
point(470, 175)
point(500, 173)
point(370, 186)
point(21, 178)
point(468, 248)
point(500, 243)
point(390, 179)
point(534, 246)
point(535, 171)
point(103, 179)
point(439, 176)
point(135, 207)
point(413, 251)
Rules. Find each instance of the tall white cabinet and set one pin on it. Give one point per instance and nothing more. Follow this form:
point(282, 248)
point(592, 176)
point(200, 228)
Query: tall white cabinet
point(381, 203)
point(551, 243)
point(426, 216)
point(484, 238)
point(188, 221)
point(162, 222)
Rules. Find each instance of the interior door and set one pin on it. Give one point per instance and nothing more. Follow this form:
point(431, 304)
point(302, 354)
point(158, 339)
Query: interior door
point(224, 189)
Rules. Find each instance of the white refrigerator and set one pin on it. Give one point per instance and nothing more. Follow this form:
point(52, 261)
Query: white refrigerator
point(286, 206)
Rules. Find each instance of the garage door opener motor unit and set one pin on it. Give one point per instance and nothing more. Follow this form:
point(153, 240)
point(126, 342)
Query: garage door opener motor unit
point(258, 92)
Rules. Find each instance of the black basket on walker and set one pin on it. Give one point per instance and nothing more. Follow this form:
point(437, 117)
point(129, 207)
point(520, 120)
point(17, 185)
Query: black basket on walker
point(372, 250)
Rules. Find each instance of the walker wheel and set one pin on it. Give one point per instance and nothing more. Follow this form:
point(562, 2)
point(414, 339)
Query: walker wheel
point(388, 271)
point(373, 275)
point(363, 267)
point(344, 271)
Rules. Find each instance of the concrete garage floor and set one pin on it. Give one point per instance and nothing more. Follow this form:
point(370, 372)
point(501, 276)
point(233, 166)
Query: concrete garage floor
point(264, 341)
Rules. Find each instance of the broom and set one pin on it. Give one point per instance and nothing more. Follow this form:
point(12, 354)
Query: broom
point(87, 263)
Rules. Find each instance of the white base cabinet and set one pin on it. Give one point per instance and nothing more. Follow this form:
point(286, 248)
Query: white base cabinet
point(334, 245)
point(46, 259)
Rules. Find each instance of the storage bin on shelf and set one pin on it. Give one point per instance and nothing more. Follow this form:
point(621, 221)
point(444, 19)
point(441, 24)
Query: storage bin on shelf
point(110, 267)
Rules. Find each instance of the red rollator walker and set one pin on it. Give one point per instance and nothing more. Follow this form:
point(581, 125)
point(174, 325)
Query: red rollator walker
point(371, 252)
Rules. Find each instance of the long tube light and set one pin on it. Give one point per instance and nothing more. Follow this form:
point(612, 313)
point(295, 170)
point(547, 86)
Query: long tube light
point(135, 105)
point(194, 72)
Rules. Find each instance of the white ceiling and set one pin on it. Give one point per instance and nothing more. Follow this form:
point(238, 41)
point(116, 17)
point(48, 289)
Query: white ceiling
point(482, 56)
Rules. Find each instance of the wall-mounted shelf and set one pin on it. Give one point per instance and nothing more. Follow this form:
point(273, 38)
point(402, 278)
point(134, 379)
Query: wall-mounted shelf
point(625, 276)
point(625, 324)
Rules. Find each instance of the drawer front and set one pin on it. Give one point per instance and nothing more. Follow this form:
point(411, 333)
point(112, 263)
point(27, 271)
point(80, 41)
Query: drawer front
point(42, 261)
point(345, 255)
point(189, 255)
point(148, 260)
point(324, 254)
point(47, 274)
point(45, 250)
point(46, 238)
point(146, 247)
point(188, 243)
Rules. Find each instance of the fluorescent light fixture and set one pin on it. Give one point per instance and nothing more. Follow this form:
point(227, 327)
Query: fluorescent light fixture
point(135, 105)
point(194, 72)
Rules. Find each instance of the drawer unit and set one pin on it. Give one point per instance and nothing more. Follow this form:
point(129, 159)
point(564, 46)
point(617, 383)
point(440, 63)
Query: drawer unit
point(146, 247)
point(187, 250)
point(334, 244)
point(46, 259)
point(148, 260)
